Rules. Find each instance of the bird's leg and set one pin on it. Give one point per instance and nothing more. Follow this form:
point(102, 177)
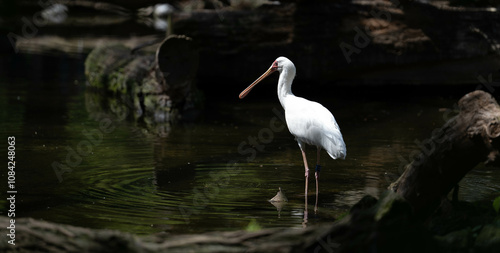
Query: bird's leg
point(306, 168)
point(302, 149)
point(316, 175)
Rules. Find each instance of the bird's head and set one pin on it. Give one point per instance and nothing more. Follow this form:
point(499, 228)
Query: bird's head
point(282, 63)
point(278, 65)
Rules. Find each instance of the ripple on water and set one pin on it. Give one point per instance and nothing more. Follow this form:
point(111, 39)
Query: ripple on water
point(189, 182)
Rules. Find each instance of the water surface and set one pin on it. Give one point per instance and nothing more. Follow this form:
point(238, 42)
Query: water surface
point(216, 173)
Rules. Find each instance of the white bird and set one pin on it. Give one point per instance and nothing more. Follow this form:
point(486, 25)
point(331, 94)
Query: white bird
point(163, 10)
point(56, 13)
point(310, 122)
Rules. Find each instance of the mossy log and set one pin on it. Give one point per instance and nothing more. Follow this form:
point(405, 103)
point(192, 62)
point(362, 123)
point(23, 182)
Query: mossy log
point(41, 236)
point(469, 138)
point(157, 88)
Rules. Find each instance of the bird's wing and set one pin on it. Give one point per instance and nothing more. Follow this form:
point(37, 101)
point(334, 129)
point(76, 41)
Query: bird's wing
point(333, 142)
point(312, 123)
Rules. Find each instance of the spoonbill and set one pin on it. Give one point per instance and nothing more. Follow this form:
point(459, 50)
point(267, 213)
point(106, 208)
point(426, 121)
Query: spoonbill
point(309, 121)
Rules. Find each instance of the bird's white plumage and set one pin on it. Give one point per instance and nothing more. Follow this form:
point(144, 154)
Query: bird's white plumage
point(308, 121)
point(313, 124)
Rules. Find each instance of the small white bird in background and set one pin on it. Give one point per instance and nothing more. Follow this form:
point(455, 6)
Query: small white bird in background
point(158, 16)
point(56, 13)
point(310, 122)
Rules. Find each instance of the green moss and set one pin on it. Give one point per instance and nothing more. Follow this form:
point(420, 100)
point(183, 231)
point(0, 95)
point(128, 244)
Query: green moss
point(253, 226)
point(496, 205)
point(103, 61)
point(135, 81)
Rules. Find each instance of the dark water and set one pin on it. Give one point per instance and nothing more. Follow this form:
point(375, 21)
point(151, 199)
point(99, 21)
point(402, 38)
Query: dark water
point(202, 175)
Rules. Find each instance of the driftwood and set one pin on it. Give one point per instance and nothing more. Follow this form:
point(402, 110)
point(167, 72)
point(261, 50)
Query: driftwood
point(360, 38)
point(100, 6)
point(465, 140)
point(41, 236)
point(156, 88)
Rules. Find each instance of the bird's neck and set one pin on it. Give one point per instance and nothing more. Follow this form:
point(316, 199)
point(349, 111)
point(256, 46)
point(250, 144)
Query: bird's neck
point(285, 85)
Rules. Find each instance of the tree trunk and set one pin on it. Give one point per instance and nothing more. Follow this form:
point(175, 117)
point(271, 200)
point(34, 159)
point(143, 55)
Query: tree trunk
point(453, 150)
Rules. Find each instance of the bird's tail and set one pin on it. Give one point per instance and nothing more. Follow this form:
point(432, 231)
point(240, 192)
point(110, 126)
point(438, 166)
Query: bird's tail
point(335, 146)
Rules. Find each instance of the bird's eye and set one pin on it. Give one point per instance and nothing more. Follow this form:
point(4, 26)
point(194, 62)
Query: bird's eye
point(275, 65)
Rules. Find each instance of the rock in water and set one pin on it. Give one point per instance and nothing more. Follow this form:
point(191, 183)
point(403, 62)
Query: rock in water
point(280, 197)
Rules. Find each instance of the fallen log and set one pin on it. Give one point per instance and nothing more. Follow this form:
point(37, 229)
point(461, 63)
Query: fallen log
point(469, 138)
point(156, 89)
point(41, 236)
